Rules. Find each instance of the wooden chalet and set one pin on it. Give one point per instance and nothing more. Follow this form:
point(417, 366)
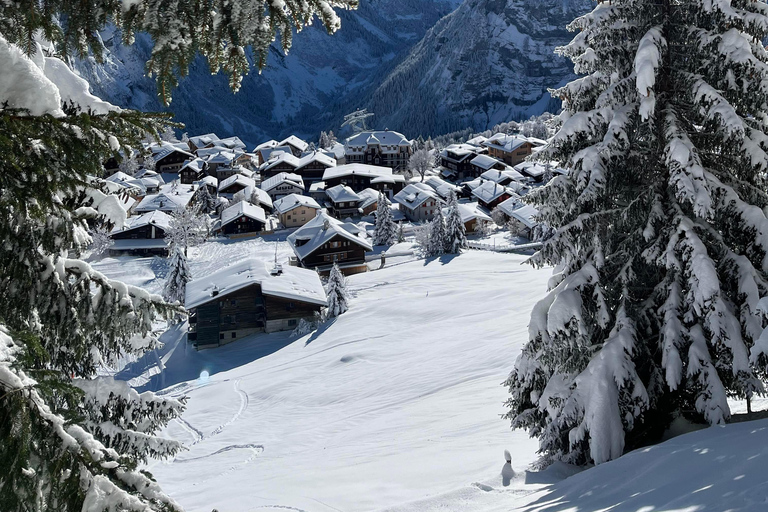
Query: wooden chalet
point(283, 184)
point(312, 166)
point(248, 297)
point(490, 194)
point(241, 218)
point(170, 159)
point(142, 235)
point(457, 159)
point(234, 184)
point(418, 202)
point(358, 177)
point(510, 149)
point(192, 171)
point(325, 240)
point(295, 210)
point(342, 202)
point(298, 146)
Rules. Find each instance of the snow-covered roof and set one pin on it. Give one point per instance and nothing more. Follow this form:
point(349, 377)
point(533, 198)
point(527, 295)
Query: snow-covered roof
point(170, 197)
point(280, 157)
point(497, 176)
point(469, 211)
point(168, 150)
point(509, 205)
point(266, 145)
point(292, 201)
point(490, 191)
point(318, 186)
point(221, 156)
point(532, 169)
point(294, 141)
point(208, 180)
point(156, 217)
point(389, 141)
point(236, 179)
point(196, 165)
point(280, 178)
point(442, 187)
point(292, 283)
point(200, 141)
point(505, 142)
point(337, 151)
point(317, 156)
point(526, 214)
point(389, 178)
point(370, 171)
point(484, 161)
point(230, 142)
point(477, 141)
point(368, 197)
point(266, 153)
point(414, 195)
point(342, 193)
point(318, 231)
point(118, 177)
point(458, 152)
point(243, 208)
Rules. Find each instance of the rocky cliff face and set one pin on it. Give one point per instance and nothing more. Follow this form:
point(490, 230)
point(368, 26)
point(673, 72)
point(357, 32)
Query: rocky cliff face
point(487, 62)
point(419, 66)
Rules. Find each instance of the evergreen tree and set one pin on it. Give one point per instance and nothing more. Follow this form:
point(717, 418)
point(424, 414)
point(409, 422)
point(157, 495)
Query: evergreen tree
point(455, 232)
point(437, 235)
point(336, 291)
point(659, 242)
point(204, 200)
point(70, 441)
point(178, 276)
point(385, 230)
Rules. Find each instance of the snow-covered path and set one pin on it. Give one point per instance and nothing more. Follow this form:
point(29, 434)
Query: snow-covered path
point(396, 401)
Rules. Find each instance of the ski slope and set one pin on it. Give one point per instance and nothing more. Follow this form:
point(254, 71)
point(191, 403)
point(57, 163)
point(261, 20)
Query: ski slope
point(397, 400)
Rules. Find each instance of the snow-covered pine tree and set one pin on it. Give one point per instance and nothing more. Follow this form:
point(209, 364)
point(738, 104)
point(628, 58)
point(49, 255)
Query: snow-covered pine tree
point(336, 291)
point(175, 289)
point(187, 228)
point(385, 229)
point(455, 231)
point(437, 235)
point(661, 241)
point(204, 200)
point(69, 441)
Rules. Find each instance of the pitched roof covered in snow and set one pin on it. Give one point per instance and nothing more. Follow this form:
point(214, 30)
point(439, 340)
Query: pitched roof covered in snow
point(477, 141)
point(197, 165)
point(267, 153)
point(526, 214)
point(504, 142)
point(293, 201)
point(312, 235)
point(243, 209)
point(387, 140)
point(236, 179)
point(469, 211)
point(200, 141)
point(415, 194)
point(266, 145)
point(370, 171)
point(490, 191)
point(442, 187)
point(485, 162)
point(294, 141)
point(316, 156)
point(280, 157)
point(509, 205)
point(155, 217)
point(169, 150)
point(208, 180)
point(342, 194)
point(498, 176)
point(458, 152)
point(368, 197)
point(292, 283)
point(171, 197)
point(233, 142)
point(532, 169)
point(281, 178)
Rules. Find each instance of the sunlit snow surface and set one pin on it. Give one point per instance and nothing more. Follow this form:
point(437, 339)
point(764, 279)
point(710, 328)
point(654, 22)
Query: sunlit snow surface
point(396, 406)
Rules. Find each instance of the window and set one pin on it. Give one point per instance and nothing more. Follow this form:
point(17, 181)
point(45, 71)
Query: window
point(234, 302)
point(221, 336)
point(290, 306)
point(234, 334)
point(292, 322)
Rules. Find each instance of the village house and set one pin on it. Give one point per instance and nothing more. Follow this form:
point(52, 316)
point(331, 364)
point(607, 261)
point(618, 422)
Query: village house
point(510, 149)
point(255, 196)
point(317, 191)
point(142, 235)
point(279, 161)
point(472, 215)
point(295, 210)
point(230, 186)
point(456, 160)
point(360, 176)
point(298, 146)
point(490, 194)
point(533, 170)
point(484, 163)
point(249, 297)
point(369, 201)
point(504, 177)
point(523, 221)
point(171, 197)
point(211, 183)
point(169, 158)
point(312, 166)
point(198, 142)
point(323, 241)
point(241, 218)
point(342, 202)
point(283, 184)
point(442, 187)
point(418, 202)
point(381, 148)
point(192, 171)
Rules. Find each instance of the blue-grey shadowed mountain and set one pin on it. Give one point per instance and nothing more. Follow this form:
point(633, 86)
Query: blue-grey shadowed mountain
point(423, 66)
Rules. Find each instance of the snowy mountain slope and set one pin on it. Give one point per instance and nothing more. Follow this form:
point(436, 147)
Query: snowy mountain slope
point(487, 62)
point(295, 93)
point(397, 400)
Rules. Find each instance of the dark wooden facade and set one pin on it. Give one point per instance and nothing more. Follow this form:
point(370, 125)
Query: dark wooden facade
point(146, 232)
point(188, 176)
point(311, 172)
point(337, 249)
point(171, 162)
point(241, 225)
point(244, 312)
